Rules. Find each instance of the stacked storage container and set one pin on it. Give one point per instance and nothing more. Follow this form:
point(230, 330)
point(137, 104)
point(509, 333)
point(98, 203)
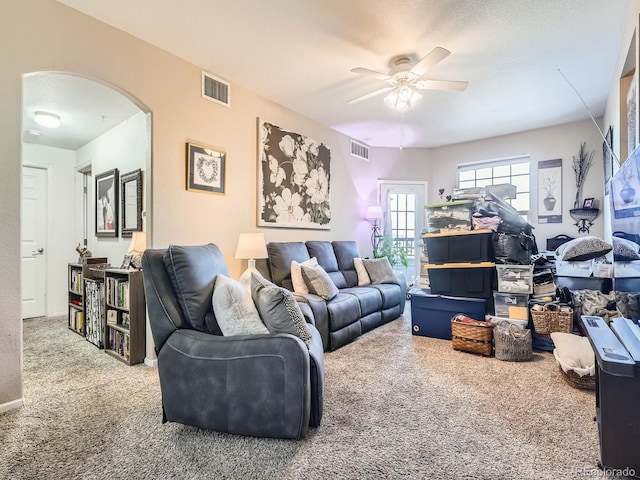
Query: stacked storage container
point(461, 273)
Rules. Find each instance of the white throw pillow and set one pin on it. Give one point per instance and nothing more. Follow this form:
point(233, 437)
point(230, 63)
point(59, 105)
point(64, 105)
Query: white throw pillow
point(299, 285)
point(363, 276)
point(234, 309)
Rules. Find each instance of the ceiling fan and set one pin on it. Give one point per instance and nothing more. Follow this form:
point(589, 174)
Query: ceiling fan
point(404, 78)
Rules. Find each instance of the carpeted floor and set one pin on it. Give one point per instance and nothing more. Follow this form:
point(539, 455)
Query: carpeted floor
point(396, 406)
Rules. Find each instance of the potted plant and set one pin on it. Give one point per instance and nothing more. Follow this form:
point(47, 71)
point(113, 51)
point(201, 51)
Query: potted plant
point(386, 247)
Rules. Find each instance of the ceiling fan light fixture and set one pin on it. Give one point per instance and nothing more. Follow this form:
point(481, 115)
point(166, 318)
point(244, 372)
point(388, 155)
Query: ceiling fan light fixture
point(402, 98)
point(46, 119)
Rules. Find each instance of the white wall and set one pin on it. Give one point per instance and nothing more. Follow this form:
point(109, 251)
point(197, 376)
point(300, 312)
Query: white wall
point(123, 147)
point(61, 219)
point(560, 141)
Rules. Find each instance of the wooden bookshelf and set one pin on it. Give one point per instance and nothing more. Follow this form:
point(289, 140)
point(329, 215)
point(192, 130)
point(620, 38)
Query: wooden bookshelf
point(76, 298)
point(125, 311)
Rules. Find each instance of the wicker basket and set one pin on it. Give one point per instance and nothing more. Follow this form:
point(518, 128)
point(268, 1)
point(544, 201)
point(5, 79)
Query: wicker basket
point(512, 344)
point(471, 337)
point(586, 382)
point(546, 321)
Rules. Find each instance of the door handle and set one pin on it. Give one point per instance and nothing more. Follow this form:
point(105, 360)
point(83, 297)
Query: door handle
point(40, 251)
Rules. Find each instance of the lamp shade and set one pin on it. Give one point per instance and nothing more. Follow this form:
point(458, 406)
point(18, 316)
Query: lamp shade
point(374, 212)
point(138, 242)
point(251, 246)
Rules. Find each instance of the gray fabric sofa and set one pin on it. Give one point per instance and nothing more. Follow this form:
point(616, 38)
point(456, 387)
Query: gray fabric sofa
point(262, 385)
point(356, 309)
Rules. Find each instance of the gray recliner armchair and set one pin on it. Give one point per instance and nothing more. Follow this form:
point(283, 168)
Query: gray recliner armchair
point(261, 385)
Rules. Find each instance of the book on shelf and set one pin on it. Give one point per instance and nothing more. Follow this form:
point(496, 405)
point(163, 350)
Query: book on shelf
point(112, 317)
point(125, 320)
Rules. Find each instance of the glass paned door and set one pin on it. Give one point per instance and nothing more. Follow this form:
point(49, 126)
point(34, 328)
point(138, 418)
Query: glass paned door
point(403, 205)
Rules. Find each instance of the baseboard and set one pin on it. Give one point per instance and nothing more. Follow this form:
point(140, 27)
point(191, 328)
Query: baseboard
point(5, 407)
point(151, 362)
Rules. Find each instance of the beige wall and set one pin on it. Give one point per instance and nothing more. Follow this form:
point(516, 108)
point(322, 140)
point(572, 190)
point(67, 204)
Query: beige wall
point(42, 35)
point(560, 141)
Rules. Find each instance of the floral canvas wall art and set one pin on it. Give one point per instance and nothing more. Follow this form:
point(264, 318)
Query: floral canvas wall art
point(293, 179)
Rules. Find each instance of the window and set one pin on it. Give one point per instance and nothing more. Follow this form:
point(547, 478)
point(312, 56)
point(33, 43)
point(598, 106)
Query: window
point(513, 170)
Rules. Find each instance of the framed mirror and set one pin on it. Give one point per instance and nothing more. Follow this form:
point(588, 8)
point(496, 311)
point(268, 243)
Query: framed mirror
point(131, 204)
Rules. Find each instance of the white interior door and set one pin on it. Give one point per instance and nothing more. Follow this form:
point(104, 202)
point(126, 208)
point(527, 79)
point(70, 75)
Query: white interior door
point(403, 209)
point(33, 241)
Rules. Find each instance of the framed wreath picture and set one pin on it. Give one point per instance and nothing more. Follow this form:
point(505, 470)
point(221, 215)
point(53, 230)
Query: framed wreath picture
point(107, 204)
point(205, 169)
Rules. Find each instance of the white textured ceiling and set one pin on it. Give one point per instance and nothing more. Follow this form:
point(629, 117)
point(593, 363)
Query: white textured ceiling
point(86, 108)
point(300, 53)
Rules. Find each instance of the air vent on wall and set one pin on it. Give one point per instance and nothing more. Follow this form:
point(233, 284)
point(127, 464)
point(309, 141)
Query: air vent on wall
point(216, 89)
point(359, 150)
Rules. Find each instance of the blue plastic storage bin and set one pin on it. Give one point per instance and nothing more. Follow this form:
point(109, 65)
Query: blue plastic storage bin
point(431, 314)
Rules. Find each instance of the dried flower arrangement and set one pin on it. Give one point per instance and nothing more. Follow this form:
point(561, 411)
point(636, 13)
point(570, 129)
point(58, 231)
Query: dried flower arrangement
point(581, 167)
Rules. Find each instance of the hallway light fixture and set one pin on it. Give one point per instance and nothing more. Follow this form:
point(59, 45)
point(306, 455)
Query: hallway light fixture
point(46, 119)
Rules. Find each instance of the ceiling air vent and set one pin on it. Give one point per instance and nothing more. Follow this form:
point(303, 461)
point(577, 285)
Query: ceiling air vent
point(359, 150)
point(215, 89)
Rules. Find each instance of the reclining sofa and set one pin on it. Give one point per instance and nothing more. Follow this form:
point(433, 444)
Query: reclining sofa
point(268, 385)
point(356, 309)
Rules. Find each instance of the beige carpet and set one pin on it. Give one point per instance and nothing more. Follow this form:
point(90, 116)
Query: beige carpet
point(396, 406)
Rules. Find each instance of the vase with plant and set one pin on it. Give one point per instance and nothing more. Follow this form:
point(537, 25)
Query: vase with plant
point(549, 184)
point(627, 193)
point(581, 167)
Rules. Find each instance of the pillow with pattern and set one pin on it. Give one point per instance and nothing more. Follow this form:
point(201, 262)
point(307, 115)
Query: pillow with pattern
point(278, 308)
point(583, 248)
point(379, 270)
point(318, 282)
point(625, 250)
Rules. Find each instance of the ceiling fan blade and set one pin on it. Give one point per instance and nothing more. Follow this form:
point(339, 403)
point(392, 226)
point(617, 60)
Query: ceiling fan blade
point(369, 95)
point(372, 73)
point(432, 58)
point(451, 85)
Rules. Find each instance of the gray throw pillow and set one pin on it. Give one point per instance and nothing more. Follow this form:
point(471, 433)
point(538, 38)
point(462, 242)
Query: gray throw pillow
point(379, 270)
point(625, 250)
point(234, 310)
point(318, 281)
point(583, 248)
point(278, 309)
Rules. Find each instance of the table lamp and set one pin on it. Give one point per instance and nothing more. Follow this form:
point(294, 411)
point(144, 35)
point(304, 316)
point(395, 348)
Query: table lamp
point(250, 246)
point(136, 248)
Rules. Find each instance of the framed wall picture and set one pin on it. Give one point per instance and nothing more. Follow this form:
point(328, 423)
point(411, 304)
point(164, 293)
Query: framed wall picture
point(293, 179)
point(550, 191)
point(205, 169)
point(607, 158)
point(588, 203)
point(106, 203)
point(131, 204)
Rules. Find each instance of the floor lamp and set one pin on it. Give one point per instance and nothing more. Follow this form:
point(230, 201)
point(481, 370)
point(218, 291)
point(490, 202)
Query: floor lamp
point(374, 215)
